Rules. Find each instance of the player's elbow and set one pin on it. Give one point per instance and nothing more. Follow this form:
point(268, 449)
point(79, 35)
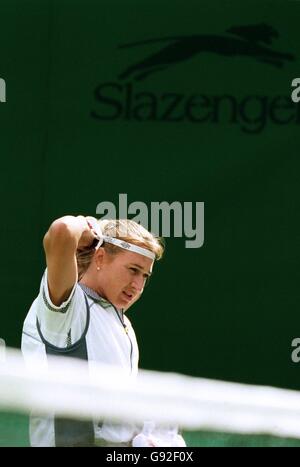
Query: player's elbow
point(59, 235)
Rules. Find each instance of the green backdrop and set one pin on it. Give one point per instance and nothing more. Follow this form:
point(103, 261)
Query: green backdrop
point(87, 119)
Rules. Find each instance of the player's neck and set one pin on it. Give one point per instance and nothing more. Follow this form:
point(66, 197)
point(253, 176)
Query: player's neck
point(90, 282)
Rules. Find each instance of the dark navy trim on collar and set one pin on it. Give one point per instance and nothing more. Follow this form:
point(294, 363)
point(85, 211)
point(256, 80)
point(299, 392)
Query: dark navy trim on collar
point(95, 296)
point(102, 301)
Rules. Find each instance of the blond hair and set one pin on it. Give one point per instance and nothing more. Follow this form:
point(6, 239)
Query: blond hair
point(124, 229)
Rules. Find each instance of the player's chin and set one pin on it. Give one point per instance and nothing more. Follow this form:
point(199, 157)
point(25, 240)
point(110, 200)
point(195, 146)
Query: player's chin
point(124, 301)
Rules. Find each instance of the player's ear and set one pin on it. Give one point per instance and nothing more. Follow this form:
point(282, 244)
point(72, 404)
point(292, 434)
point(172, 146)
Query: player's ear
point(99, 257)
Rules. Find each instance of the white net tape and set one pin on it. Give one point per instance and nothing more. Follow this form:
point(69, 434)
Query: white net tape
point(65, 387)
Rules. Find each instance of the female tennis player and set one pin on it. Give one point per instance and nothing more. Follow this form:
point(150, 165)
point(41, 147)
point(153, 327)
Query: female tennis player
point(95, 271)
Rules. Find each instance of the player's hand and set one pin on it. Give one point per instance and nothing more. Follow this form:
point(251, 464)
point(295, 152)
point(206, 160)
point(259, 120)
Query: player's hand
point(89, 232)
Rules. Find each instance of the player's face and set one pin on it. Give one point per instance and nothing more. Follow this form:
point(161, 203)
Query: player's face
point(122, 277)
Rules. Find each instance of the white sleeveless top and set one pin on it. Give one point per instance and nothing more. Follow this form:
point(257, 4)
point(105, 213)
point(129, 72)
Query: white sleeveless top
point(106, 342)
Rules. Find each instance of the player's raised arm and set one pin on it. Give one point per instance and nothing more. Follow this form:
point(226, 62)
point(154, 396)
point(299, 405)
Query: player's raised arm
point(64, 237)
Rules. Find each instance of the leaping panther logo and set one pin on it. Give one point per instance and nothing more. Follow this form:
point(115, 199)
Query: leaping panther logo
point(249, 42)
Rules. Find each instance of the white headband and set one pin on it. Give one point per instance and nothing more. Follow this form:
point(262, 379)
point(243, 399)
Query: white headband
point(116, 241)
point(126, 246)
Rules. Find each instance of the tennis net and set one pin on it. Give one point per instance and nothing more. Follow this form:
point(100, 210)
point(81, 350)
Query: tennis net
point(209, 412)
